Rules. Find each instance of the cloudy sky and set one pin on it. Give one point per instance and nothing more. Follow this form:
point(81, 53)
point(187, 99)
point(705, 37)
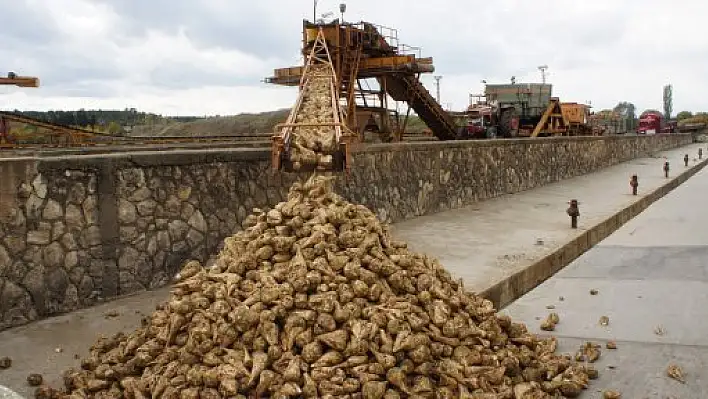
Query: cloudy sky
point(207, 57)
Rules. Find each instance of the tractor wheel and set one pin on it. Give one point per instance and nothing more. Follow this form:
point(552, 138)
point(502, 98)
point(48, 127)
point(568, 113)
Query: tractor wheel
point(491, 132)
point(505, 124)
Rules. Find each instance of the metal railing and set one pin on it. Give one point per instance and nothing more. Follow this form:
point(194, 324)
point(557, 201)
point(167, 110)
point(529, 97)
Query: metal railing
point(406, 49)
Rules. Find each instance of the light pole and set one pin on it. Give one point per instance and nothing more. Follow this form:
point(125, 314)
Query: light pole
point(437, 85)
point(543, 69)
point(342, 9)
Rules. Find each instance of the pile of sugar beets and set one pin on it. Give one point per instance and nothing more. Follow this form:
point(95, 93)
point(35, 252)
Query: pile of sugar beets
point(314, 299)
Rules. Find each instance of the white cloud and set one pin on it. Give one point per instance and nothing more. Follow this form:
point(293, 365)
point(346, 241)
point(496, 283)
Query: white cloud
point(183, 57)
point(79, 21)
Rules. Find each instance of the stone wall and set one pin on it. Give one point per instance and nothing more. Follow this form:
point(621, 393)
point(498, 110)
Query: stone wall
point(82, 229)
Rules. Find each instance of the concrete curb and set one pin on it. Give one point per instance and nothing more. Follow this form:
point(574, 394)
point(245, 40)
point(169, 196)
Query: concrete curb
point(523, 281)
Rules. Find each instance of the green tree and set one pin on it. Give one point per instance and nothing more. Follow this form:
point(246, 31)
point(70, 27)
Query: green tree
point(684, 115)
point(114, 128)
point(668, 101)
point(646, 111)
point(629, 111)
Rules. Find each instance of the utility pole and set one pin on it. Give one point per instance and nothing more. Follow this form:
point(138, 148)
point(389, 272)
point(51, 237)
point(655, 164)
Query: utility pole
point(437, 85)
point(543, 69)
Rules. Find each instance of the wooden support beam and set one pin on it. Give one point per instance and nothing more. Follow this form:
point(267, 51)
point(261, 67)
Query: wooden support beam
point(21, 81)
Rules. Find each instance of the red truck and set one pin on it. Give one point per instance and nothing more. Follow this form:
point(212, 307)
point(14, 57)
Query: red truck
point(652, 122)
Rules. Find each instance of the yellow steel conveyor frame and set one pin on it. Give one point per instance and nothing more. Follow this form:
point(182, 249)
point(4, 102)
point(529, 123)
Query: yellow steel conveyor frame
point(553, 121)
point(282, 140)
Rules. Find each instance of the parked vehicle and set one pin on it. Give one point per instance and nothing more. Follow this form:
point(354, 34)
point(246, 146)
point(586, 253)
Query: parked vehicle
point(578, 117)
point(469, 125)
point(526, 110)
point(653, 122)
point(521, 110)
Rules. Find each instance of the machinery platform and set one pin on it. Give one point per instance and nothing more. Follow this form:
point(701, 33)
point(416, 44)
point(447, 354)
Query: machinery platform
point(371, 65)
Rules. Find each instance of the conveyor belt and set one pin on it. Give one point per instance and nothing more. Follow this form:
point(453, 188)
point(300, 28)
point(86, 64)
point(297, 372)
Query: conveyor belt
point(73, 137)
point(314, 136)
point(409, 89)
point(11, 116)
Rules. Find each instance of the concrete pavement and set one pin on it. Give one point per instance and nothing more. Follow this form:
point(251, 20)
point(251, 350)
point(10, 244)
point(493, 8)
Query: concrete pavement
point(651, 278)
point(6, 393)
point(484, 244)
point(491, 240)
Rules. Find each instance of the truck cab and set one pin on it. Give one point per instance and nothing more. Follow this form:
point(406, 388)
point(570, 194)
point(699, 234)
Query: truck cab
point(652, 122)
point(649, 124)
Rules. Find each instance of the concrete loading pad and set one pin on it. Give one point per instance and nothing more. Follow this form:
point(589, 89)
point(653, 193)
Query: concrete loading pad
point(488, 243)
point(651, 278)
point(50, 346)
